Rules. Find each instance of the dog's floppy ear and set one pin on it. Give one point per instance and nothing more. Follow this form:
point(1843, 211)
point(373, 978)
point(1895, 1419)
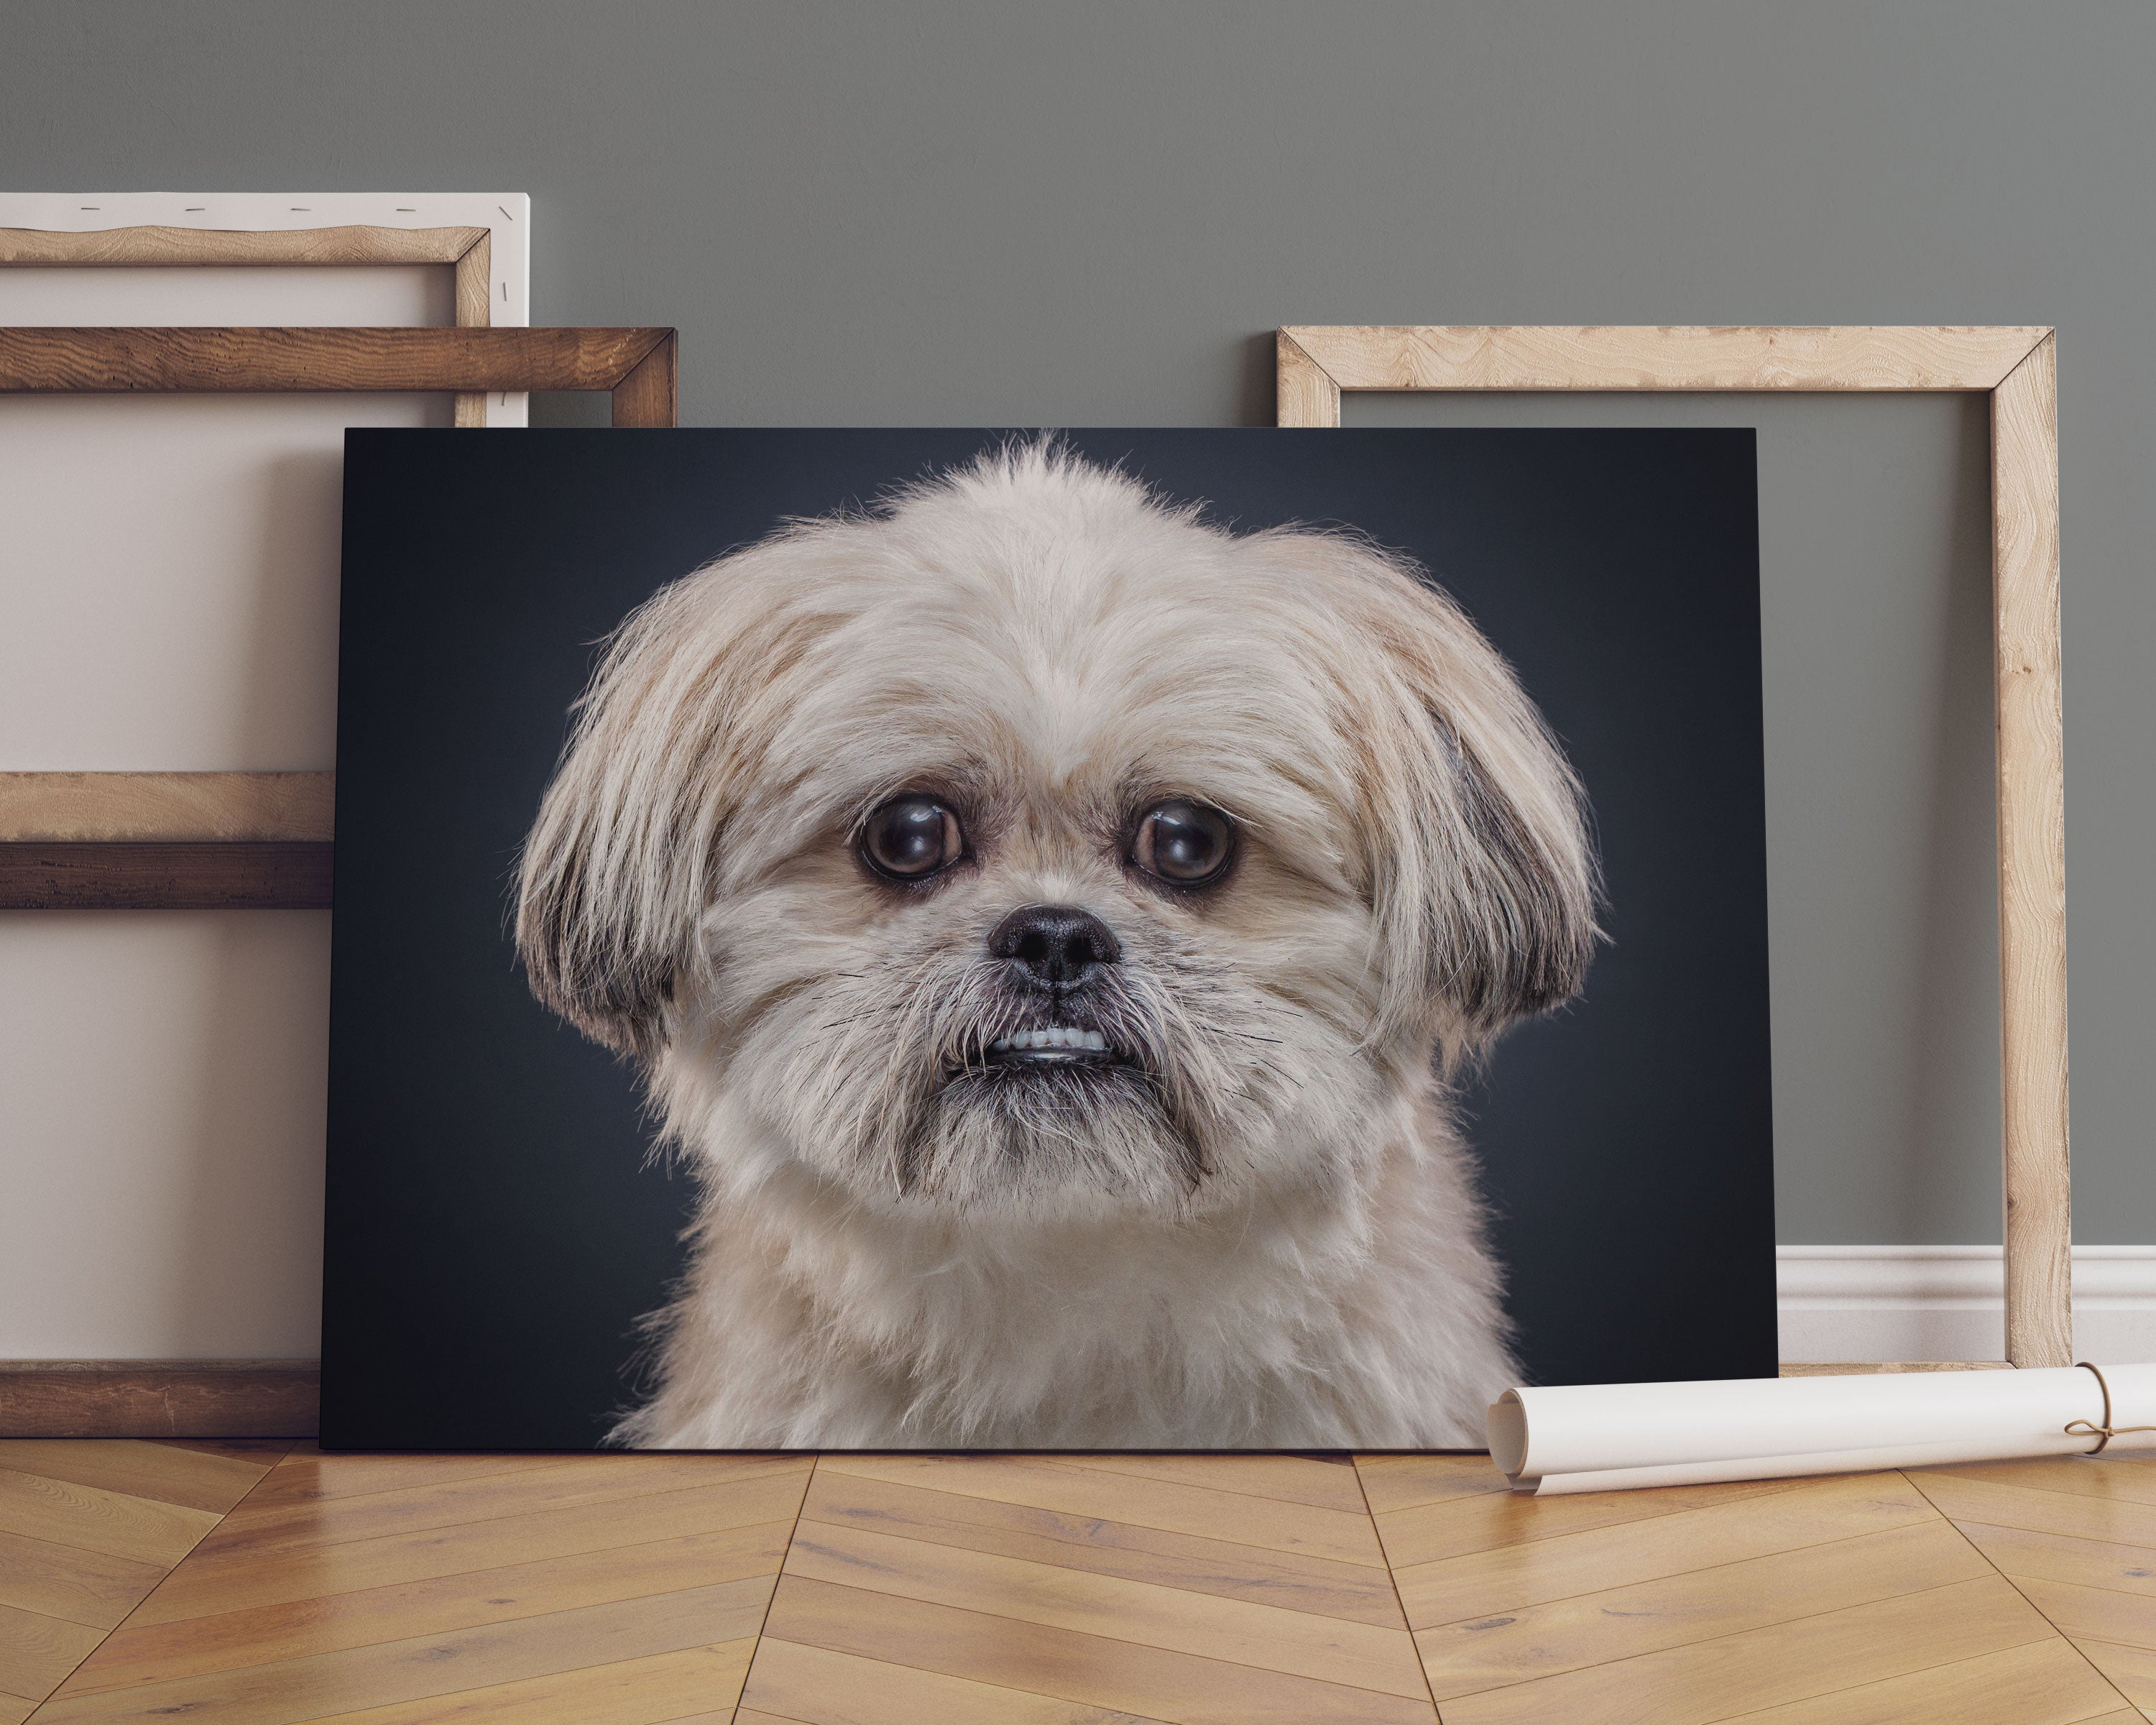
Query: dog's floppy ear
point(1482, 870)
point(1516, 939)
point(616, 867)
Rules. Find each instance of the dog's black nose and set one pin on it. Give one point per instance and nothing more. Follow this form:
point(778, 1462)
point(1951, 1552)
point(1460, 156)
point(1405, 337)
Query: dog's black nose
point(1056, 946)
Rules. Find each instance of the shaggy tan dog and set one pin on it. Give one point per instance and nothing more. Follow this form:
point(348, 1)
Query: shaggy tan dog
point(1046, 922)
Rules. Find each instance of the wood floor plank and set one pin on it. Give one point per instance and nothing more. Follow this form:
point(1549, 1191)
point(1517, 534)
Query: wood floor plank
point(268, 1451)
point(1204, 1625)
point(154, 1653)
point(1290, 1478)
point(2120, 1479)
point(1594, 1629)
point(634, 1692)
point(1042, 1484)
point(2114, 1520)
point(37, 1651)
point(2093, 1612)
point(14, 1709)
point(84, 1587)
point(815, 1686)
point(250, 1533)
point(1476, 1522)
point(1484, 1584)
point(2132, 1670)
point(202, 1591)
point(1241, 1572)
point(1397, 1482)
point(309, 1476)
point(432, 1666)
point(2056, 1556)
point(2040, 1683)
point(1761, 1668)
point(157, 1471)
point(1115, 1675)
point(116, 1523)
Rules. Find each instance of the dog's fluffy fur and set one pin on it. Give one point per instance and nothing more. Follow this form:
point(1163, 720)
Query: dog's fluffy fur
point(1261, 1233)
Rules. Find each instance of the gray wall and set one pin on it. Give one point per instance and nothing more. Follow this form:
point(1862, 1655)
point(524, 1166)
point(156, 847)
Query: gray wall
point(1093, 213)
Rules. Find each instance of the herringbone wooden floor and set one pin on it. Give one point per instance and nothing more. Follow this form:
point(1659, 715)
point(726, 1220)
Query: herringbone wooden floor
point(263, 1583)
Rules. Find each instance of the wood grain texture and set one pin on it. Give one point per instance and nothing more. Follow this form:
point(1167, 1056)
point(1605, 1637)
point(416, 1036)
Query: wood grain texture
point(815, 1685)
point(649, 395)
point(1176, 1619)
point(1307, 395)
point(2032, 880)
point(57, 1579)
point(277, 1578)
point(1063, 1485)
point(2131, 1671)
point(1484, 1652)
point(634, 1691)
point(121, 361)
point(214, 1483)
point(474, 310)
point(1403, 356)
point(86, 1531)
point(37, 1651)
point(127, 876)
point(377, 1590)
point(640, 1590)
point(1320, 1586)
point(1083, 1588)
point(428, 1666)
point(2022, 1554)
point(1800, 1660)
point(2074, 1515)
point(569, 1482)
point(2040, 1683)
point(1103, 1671)
point(1848, 1599)
point(164, 808)
point(294, 1628)
point(119, 1524)
point(161, 247)
point(157, 1398)
point(1523, 1566)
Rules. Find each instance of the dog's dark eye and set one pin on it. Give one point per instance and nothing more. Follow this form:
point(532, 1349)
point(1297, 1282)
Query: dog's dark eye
point(1183, 843)
point(909, 838)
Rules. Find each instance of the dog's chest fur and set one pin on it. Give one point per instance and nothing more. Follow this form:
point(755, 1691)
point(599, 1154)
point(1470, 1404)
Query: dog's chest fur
point(1363, 1317)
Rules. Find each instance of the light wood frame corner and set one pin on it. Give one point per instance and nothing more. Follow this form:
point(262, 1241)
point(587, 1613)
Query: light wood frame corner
point(2016, 367)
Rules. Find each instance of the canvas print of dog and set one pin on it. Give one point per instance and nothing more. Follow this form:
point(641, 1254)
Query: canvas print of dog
point(1050, 924)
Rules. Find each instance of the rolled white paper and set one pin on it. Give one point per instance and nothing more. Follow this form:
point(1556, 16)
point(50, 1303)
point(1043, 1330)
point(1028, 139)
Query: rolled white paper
point(1603, 1437)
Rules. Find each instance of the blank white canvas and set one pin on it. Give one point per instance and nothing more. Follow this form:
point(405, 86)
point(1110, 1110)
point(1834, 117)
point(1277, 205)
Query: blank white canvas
point(168, 599)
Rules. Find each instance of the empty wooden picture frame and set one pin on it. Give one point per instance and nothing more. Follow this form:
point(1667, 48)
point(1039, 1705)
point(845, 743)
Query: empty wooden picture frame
point(2016, 367)
point(257, 840)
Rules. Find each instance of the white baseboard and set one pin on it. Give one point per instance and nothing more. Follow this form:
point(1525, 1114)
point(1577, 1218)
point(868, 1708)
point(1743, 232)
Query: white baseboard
point(1897, 1302)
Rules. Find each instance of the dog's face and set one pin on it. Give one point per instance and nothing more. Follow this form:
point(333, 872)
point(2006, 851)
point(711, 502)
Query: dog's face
point(1029, 845)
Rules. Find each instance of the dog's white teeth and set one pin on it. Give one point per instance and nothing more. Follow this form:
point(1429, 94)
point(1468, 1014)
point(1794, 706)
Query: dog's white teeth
point(1055, 1036)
